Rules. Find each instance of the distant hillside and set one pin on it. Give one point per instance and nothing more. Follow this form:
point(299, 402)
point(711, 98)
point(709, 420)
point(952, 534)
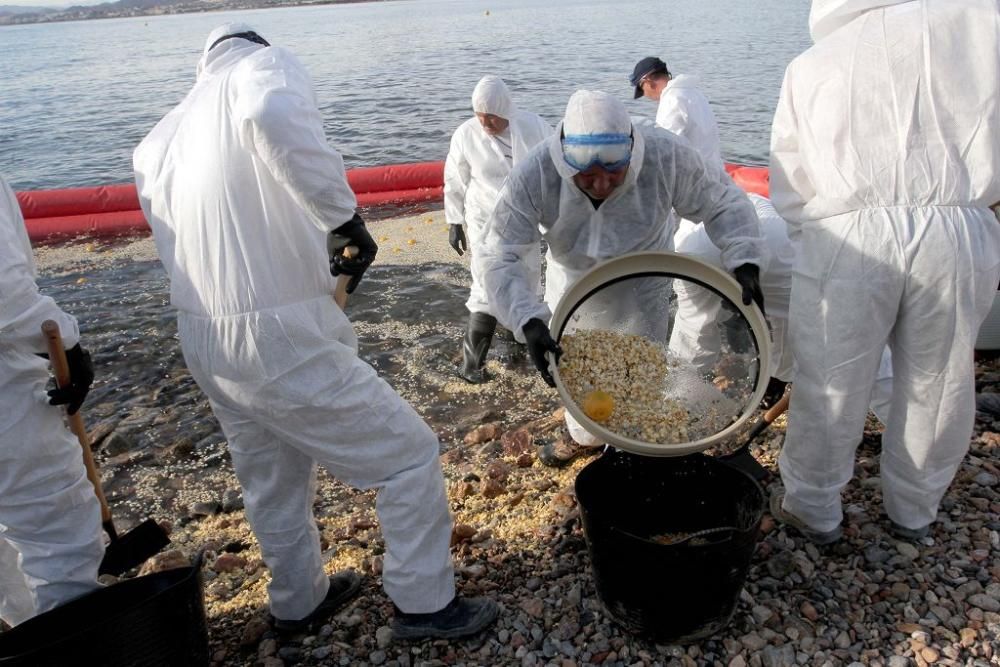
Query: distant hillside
point(16, 14)
point(11, 10)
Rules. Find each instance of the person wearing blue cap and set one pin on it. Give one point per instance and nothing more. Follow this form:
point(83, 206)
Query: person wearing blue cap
point(683, 108)
point(599, 187)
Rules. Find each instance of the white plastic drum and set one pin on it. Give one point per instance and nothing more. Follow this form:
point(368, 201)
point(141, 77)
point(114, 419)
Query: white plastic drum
point(656, 298)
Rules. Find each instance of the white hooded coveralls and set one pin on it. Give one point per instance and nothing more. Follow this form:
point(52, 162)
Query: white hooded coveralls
point(50, 521)
point(695, 336)
point(478, 165)
point(540, 200)
point(241, 188)
point(885, 155)
point(685, 111)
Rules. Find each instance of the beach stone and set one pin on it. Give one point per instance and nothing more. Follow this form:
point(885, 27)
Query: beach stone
point(517, 442)
point(498, 470)
point(899, 661)
point(228, 562)
point(985, 479)
point(907, 550)
point(481, 434)
point(533, 607)
point(203, 509)
point(462, 533)
point(166, 560)
point(118, 443)
point(492, 488)
point(253, 631)
point(984, 602)
point(377, 657)
point(232, 500)
point(775, 656)
point(781, 565)
point(292, 653)
point(267, 648)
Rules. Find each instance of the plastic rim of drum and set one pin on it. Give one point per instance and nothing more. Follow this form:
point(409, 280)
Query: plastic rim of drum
point(667, 265)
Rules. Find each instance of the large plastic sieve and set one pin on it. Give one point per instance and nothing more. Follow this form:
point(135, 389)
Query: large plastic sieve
point(676, 347)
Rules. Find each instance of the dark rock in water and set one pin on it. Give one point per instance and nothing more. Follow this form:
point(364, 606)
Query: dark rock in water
point(178, 450)
point(101, 431)
point(118, 443)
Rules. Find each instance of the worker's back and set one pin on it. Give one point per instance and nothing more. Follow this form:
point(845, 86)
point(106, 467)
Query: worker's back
point(896, 105)
point(214, 178)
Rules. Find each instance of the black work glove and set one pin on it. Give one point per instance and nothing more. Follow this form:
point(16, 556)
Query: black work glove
point(456, 237)
point(539, 341)
point(81, 376)
point(775, 390)
point(351, 233)
point(748, 276)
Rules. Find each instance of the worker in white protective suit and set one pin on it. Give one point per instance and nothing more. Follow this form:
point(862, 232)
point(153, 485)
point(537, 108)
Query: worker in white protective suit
point(598, 188)
point(697, 332)
point(50, 520)
point(682, 108)
point(241, 190)
point(483, 151)
point(885, 159)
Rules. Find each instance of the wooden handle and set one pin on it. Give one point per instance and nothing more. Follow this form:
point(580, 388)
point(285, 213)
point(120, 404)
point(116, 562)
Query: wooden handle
point(57, 357)
point(778, 408)
point(340, 292)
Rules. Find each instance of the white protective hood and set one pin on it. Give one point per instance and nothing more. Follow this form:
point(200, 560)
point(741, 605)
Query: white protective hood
point(492, 96)
point(828, 15)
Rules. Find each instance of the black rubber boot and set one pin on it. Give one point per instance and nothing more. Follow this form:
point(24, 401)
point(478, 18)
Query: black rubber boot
point(475, 346)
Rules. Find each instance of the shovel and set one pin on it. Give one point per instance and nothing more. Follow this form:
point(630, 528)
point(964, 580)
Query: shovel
point(742, 459)
point(145, 540)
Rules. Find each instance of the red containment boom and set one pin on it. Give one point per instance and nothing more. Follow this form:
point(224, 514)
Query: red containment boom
point(114, 209)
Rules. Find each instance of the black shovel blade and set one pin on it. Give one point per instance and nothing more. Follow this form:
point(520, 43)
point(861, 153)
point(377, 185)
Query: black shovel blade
point(133, 548)
point(745, 461)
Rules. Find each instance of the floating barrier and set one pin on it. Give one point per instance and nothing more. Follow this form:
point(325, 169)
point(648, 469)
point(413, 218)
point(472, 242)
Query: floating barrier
point(109, 210)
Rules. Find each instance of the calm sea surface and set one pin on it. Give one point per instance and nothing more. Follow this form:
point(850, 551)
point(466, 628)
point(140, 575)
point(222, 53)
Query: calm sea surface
point(393, 78)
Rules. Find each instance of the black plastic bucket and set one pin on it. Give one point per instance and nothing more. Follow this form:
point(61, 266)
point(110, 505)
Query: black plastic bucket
point(152, 621)
point(653, 580)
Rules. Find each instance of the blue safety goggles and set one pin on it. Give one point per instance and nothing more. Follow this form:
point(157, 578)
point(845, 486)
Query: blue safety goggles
point(611, 152)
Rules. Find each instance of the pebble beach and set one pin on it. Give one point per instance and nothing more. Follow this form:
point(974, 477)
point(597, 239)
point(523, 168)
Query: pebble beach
point(867, 600)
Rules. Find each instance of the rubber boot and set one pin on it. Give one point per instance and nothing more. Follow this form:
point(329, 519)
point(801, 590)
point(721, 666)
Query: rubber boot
point(475, 346)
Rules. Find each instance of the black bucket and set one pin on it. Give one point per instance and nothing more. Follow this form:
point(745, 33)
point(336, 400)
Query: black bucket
point(656, 576)
point(152, 621)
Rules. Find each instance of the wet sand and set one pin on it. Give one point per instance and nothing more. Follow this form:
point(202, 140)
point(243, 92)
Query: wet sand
point(870, 599)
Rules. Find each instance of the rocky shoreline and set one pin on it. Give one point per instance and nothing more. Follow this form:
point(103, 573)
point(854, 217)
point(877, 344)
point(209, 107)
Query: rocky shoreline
point(869, 599)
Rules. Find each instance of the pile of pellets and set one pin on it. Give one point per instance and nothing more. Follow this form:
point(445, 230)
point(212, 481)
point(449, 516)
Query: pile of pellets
point(632, 370)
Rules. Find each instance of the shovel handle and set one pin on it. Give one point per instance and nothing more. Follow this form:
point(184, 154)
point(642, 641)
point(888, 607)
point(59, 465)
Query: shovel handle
point(772, 413)
point(340, 291)
point(57, 357)
point(778, 408)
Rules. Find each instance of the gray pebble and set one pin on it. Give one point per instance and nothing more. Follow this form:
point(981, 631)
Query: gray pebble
point(984, 602)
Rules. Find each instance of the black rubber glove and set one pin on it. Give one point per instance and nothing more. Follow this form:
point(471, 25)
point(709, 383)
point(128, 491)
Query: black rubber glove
point(539, 341)
point(351, 233)
point(81, 375)
point(748, 276)
point(456, 237)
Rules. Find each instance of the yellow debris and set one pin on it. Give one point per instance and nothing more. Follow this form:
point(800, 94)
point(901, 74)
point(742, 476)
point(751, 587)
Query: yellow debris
point(598, 405)
point(411, 242)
